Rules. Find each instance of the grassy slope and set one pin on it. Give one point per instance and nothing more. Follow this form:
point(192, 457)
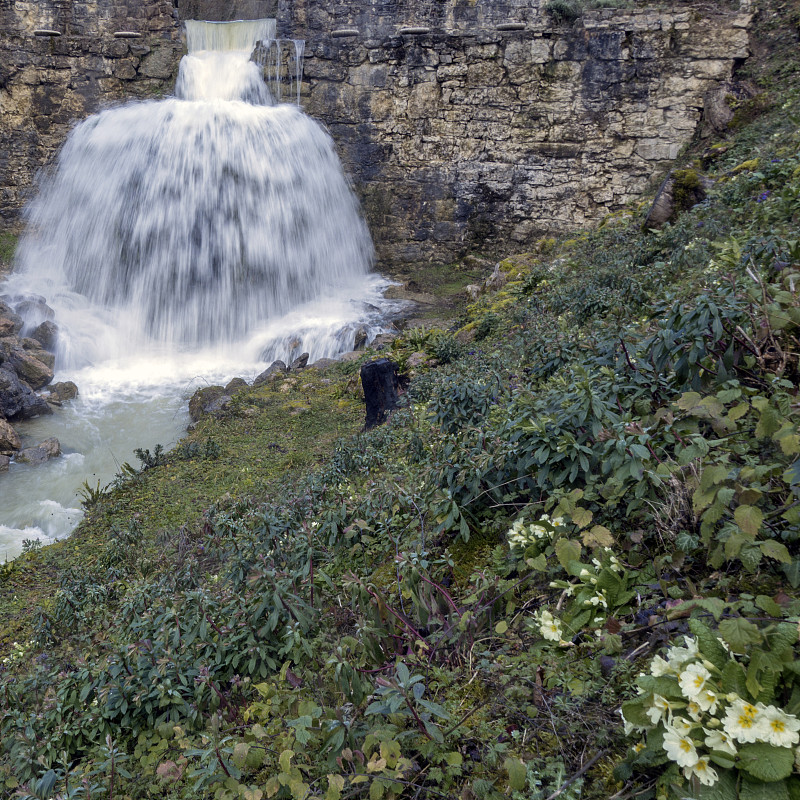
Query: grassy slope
point(406, 531)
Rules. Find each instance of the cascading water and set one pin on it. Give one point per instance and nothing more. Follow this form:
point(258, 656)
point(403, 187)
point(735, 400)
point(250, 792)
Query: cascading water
point(196, 235)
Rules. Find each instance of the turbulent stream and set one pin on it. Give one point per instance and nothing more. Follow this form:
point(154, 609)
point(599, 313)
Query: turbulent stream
point(181, 242)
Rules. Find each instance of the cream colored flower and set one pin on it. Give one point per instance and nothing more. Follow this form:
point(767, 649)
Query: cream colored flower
point(659, 668)
point(707, 700)
point(680, 748)
point(660, 709)
point(742, 721)
point(778, 728)
point(703, 771)
point(692, 680)
point(719, 740)
point(549, 626)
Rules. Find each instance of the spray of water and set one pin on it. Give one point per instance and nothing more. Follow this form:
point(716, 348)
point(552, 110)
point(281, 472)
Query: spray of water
point(197, 235)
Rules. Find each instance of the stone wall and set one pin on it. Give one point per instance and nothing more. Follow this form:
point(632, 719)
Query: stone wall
point(493, 127)
point(465, 124)
point(49, 82)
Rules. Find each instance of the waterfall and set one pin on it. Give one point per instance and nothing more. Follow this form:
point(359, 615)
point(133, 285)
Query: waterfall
point(282, 63)
point(199, 220)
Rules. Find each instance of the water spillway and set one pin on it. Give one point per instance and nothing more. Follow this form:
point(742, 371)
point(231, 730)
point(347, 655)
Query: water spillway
point(194, 220)
point(180, 242)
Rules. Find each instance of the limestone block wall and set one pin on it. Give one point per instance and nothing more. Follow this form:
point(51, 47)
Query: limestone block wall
point(466, 125)
point(480, 126)
point(47, 83)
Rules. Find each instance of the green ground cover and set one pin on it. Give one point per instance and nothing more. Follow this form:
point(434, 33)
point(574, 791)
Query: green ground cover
point(568, 567)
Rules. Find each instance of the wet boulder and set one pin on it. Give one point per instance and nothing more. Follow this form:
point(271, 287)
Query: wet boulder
point(275, 368)
point(4, 462)
point(44, 451)
point(28, 367)
point(9, 440)
point(17, 399)
point(46, 334)
point(235, 384)
point(61, 392)
point(208, 400)
point(301, 362)
point(10, 323)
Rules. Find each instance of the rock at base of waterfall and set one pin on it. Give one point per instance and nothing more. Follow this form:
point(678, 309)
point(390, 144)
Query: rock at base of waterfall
point(10, 323)
point(274, 368)
point(61, 392)
point(44, 451)
point(9, 441)
point(301, 362)
point(360, 341)
point(33, 347)
point(208, 400)
point(382, 341)
point(381, 385)
point(235, 384)
point(354, 355)
point(4, 462)
point(28, 367)
point(46, 334)
point(17, 399)
point(323, 364)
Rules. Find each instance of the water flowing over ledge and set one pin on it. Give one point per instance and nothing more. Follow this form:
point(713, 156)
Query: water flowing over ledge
point(182, 241)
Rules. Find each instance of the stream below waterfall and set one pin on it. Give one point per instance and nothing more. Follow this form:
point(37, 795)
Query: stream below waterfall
point(180, 243)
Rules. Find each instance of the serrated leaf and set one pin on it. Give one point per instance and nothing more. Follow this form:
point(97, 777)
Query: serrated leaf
point(581, 517)
point(776, 550)
point(538, 564)
point(633, 711)
point(768, 605)
point(517, 773)
point(567, 551)
point(749, 519)
point(740, 634)
point(768, 423)
point(240, 752)
point(598, 536)
point(707, 642)
point(765, 762)
point(752, 789)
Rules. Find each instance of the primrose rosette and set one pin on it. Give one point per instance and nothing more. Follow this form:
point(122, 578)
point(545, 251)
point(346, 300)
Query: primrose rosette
point(722, 722)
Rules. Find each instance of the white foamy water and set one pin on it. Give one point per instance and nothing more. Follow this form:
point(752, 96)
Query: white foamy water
point(182, 242)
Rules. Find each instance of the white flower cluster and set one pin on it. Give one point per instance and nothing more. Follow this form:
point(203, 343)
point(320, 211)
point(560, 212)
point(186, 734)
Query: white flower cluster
point(709, 718)
point(549, 626)
point(523, 536)
point(17, 652)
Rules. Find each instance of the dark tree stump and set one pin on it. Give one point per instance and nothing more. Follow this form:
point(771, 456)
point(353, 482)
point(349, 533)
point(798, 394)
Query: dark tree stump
point(381, 390)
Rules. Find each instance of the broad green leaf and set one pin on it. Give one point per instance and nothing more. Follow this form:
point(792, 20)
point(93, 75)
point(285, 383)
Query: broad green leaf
point(768, 605)
point(240, 752)
point(768, 423)
point(749, 519)
point(335, 787)
point(539, 564)
point(752, 789)
point(501, 627)
point(581, 517)
point(377, 790)
point(567, 551)
point(598, 536)
point(517, 773)
point(390, 751)
point(285, 760)
point(723, 789)
point(739, 633)
point(776, 550)
point(765, 762)
point(707, 642)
